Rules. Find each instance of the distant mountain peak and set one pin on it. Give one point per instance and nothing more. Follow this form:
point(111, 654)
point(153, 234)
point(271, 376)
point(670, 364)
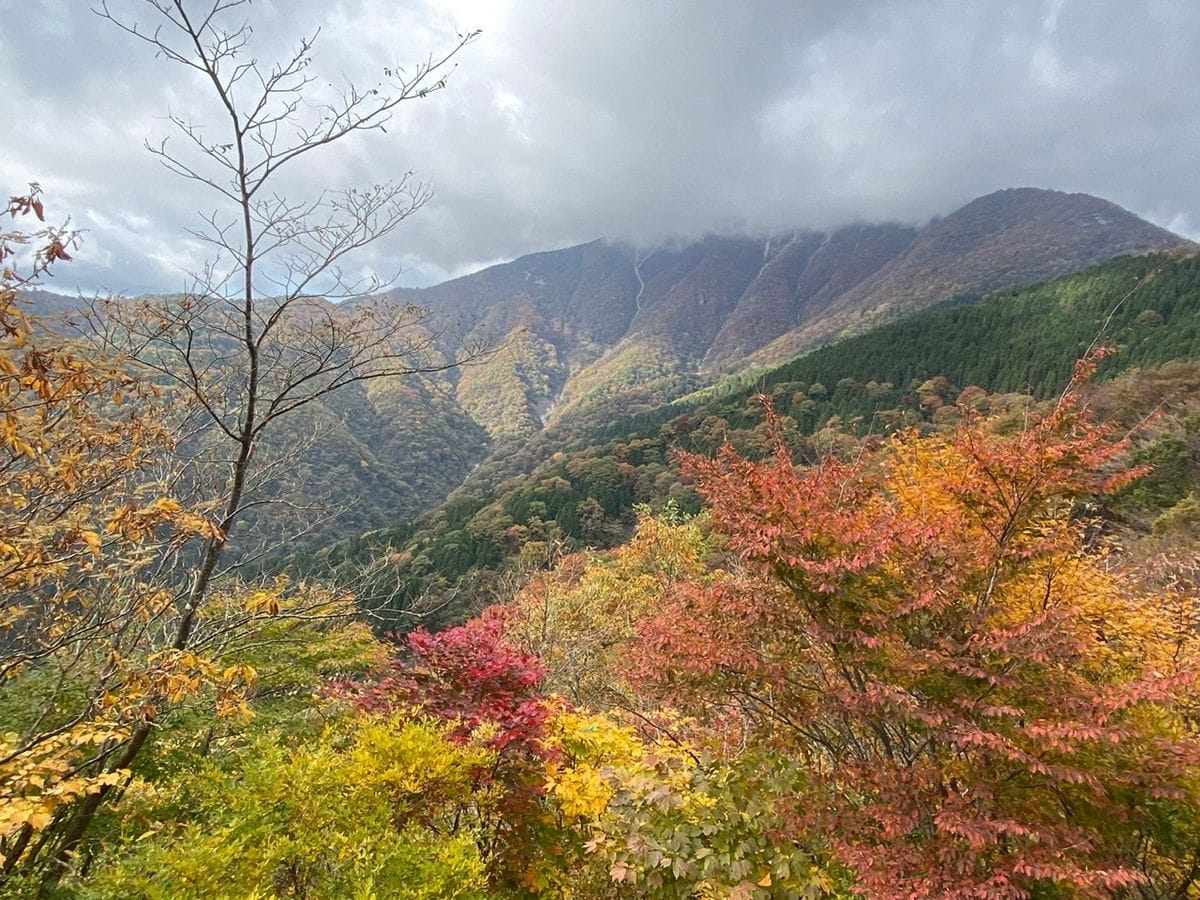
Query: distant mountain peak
point(1007, 238)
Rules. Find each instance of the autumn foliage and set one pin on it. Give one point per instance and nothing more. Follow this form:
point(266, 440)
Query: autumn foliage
point(80, 526)
point(92, 663)
point(920, 669)
point(468, 676)
point(985, 708)
point(915, 672)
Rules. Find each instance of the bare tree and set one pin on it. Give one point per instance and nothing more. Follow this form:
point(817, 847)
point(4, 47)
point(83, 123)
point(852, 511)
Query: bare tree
point(256, 337)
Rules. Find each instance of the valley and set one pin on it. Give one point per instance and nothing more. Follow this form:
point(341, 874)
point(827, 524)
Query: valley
point(667, 479)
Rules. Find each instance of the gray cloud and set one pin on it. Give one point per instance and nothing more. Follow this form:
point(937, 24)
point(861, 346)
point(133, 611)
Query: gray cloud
point(641, 121)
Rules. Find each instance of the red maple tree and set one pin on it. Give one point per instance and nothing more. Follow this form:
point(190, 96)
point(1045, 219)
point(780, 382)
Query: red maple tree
point(986, 708)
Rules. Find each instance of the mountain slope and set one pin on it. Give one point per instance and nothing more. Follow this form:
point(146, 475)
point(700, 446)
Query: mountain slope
point(798, 284)
point(379, 450)
point(1007, 238)
point(594, 333)
point(605, 327)
point(577, 488)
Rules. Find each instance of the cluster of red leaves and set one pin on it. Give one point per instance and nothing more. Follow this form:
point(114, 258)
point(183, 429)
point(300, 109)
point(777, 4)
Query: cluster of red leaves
point(52, 243)
point(924, 628)
point(484, 688)
point(469, 676)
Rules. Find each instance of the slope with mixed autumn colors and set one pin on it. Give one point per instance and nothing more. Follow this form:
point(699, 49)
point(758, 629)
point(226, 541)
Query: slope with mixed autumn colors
point(601, 331)
point(577, 487)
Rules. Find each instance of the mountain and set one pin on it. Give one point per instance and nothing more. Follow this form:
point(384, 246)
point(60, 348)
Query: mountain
point(603, 326)
point(377, 451)
point(601, 332)
point(1007, 238)
point(800, 282)
point(592, 326)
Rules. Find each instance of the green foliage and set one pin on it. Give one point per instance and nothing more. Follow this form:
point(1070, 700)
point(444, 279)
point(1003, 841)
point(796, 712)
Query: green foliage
point(1181, 521)
point(313, 637)
point(370, 811)
point(509, 391)
point(682, 828)
point(293, 637)
point(1173, 470)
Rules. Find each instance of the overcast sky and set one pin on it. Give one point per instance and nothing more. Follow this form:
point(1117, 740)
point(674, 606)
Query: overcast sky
point(640, 120)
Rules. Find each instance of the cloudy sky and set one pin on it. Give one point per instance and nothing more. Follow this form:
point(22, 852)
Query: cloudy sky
point(642, 120)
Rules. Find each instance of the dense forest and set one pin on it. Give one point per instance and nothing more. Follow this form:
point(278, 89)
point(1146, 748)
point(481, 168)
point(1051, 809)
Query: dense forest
point(870, 628)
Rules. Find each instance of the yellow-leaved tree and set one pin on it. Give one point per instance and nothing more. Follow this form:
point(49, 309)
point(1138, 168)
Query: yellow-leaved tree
point(253, 341)
point(90, 541)
point(81, 527)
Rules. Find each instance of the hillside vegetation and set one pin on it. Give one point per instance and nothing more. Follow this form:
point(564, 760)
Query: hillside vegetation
point(578, 489)
point(602, 327)
point(886, 676)
point(888, 638)
point(587, 335)
point(1007, 238)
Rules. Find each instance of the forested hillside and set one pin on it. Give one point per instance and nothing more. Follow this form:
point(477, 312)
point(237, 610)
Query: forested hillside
point(872, 676)
point(578, 488)
point(383, 450)
point(868, 638)
point(1007, 238)
point(580, 337)
point(603, 327)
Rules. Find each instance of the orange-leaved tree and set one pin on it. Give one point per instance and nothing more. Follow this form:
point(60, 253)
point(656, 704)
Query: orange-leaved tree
point(90, 539)
point(986, 708)
point(579, 618)
point(82, 529)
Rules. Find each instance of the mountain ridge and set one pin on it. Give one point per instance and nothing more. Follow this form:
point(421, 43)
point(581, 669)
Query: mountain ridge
point(578, 488)
point(633, 327)
point(589, 334)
